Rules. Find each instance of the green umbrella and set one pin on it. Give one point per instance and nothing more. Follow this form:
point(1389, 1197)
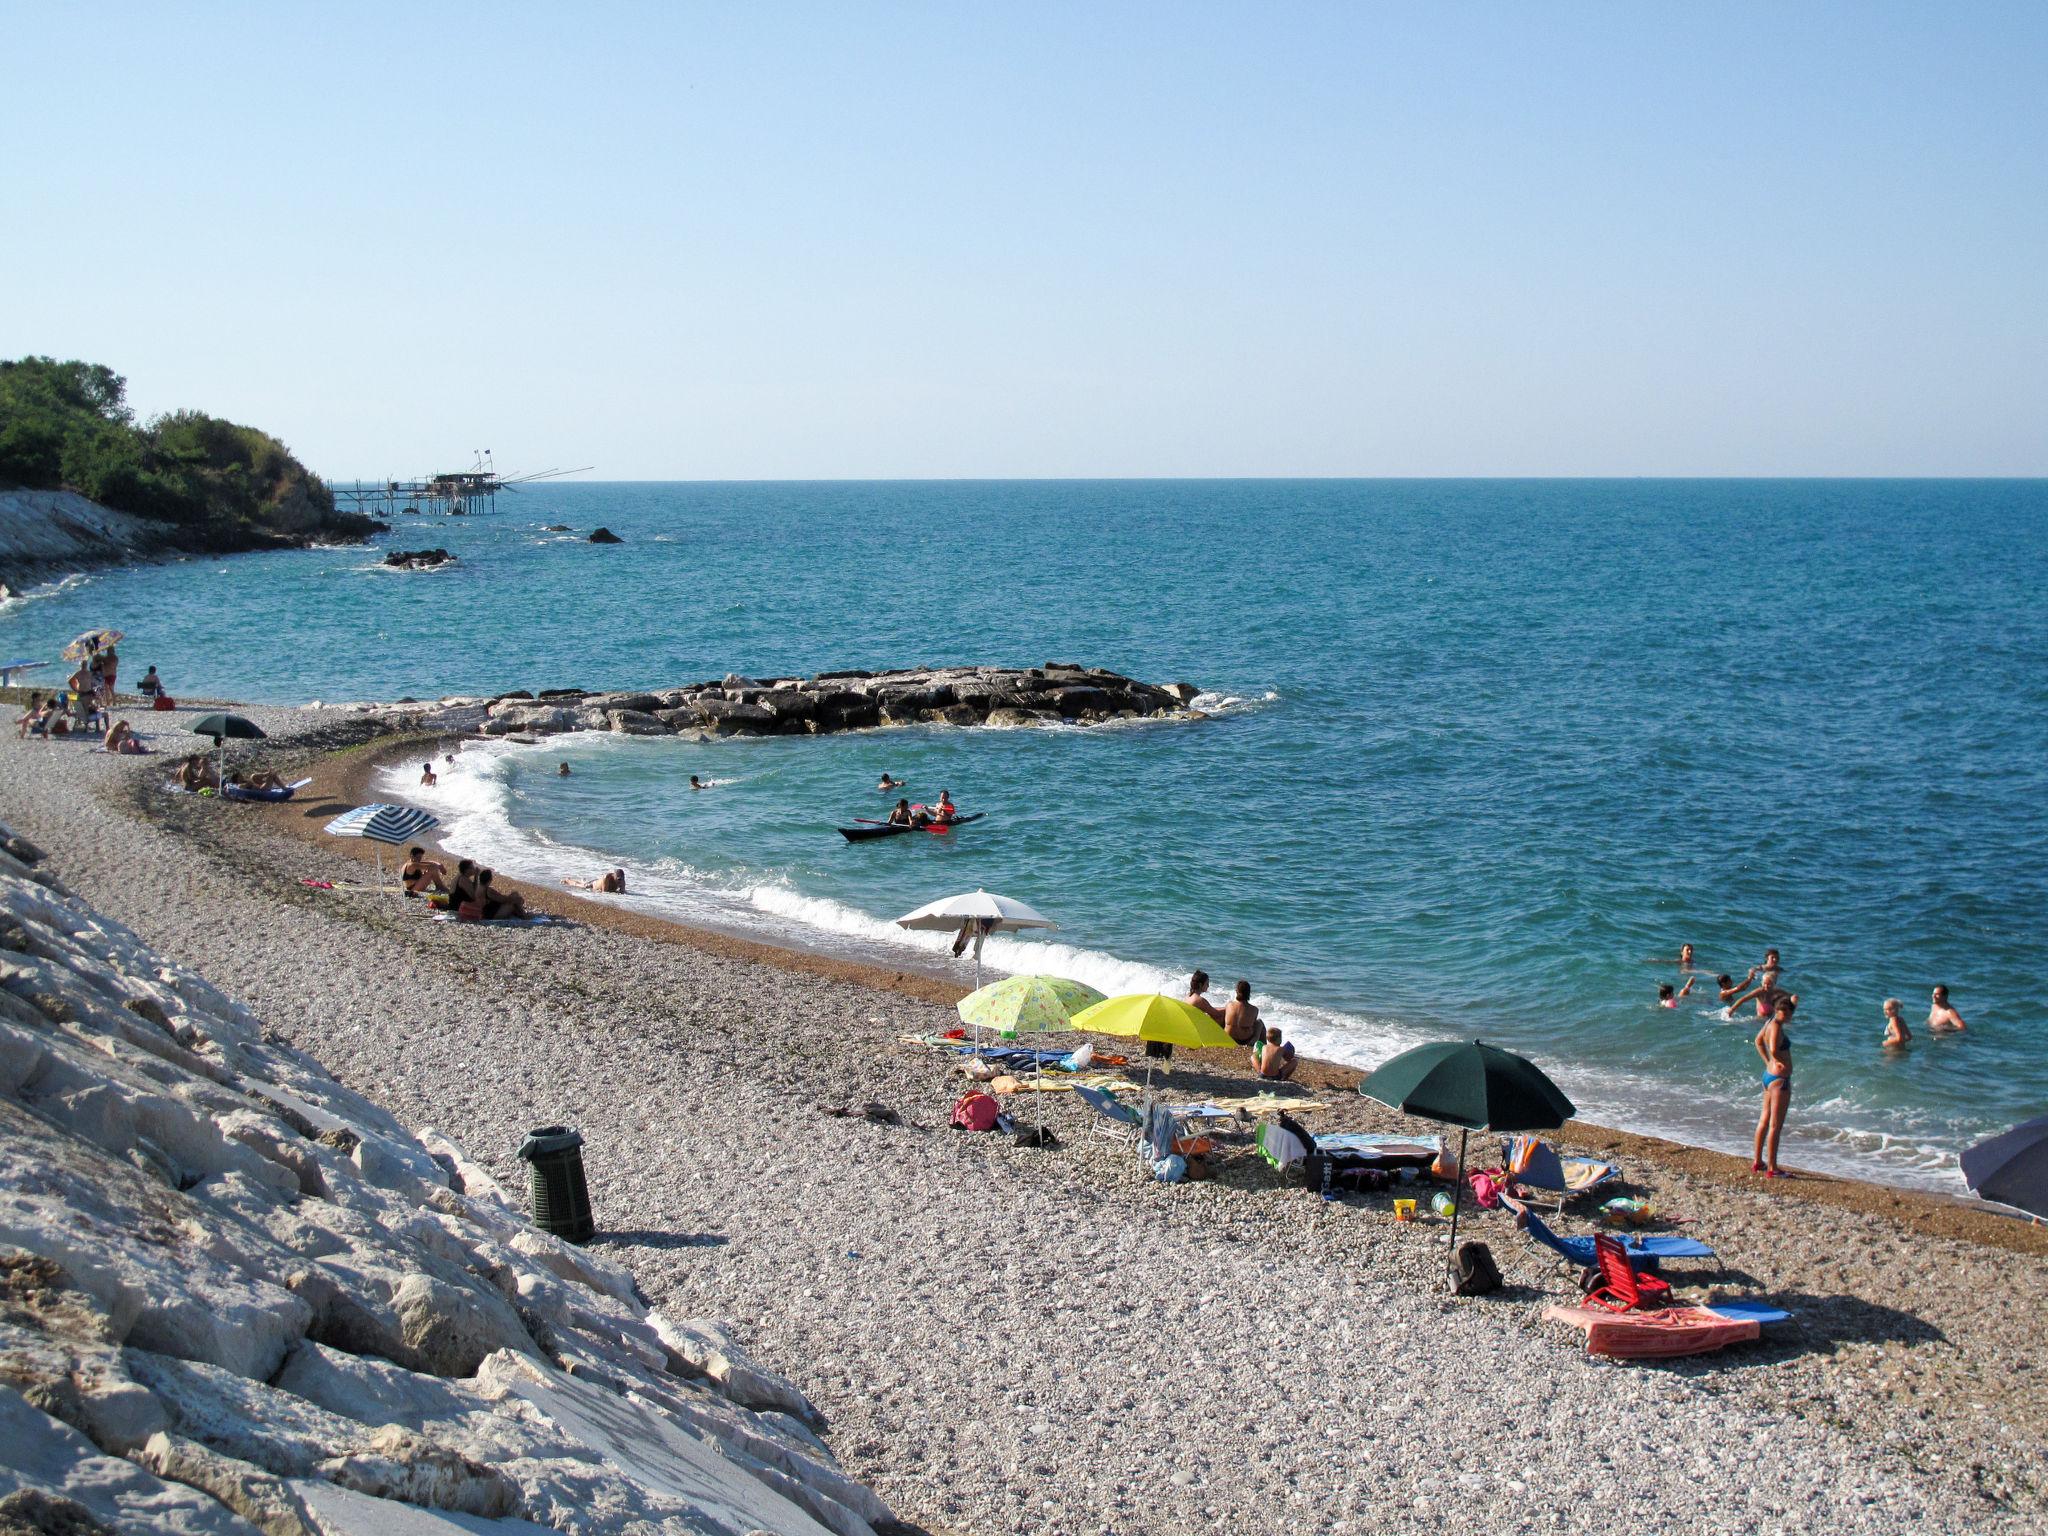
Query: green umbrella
point(1474, 1087)
point(220, 728)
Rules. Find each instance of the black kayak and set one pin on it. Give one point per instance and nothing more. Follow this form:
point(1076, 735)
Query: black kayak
point(885, 829)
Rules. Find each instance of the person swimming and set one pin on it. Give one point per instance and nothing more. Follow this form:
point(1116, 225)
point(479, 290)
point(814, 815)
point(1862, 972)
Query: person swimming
point(427, 778)
point(1666, 998)
point(562, 772)
point(888, 783)
point(697, 783)
point(1896, 1035)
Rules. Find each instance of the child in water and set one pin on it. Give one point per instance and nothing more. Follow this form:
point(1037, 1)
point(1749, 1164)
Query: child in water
point(1666, 998)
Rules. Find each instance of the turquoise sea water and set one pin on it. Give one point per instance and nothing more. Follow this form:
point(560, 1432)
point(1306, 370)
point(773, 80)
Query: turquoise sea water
point(1481, 749)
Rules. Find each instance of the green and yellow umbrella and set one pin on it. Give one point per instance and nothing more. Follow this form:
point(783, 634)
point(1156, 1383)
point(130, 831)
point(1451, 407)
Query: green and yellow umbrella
point(1023, 1004)
point(1018, 1004)
point(1153, 1016)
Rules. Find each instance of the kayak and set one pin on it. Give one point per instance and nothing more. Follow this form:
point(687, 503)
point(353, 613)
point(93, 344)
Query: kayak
point(872, 830)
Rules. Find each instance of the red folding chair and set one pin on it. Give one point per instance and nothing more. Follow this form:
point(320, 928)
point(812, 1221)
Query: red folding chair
point(1622, 1288)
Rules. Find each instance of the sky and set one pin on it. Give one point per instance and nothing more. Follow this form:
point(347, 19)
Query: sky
point(786, 241)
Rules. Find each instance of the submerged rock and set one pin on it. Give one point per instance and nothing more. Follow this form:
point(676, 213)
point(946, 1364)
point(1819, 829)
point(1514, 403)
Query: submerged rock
point(605, 536)
point(418, 559)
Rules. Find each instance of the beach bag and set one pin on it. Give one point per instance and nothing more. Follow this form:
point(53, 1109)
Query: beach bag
point(975, 1111)
point(1476, 1274)
point(163, 701)
point(1040, 1136)
point(1170, 1170)
point(1159, 1050)
point(1486, 1188)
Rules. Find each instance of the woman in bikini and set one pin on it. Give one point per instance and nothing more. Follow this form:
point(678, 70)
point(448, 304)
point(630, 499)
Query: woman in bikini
point(1775, 1047)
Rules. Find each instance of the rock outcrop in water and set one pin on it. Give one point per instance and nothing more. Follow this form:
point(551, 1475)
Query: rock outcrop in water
point(236, 1296)
point(418, 559)
point(1056, 693)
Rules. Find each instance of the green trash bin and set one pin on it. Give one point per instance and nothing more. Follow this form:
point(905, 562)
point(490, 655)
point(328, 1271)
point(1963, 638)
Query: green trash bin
point(561, 1199)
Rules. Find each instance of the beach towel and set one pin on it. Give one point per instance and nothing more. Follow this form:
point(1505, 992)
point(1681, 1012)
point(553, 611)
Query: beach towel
point(531, 920)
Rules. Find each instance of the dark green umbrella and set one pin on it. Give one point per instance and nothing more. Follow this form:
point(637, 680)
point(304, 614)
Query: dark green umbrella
point(220, 728)
point(1474, 1087)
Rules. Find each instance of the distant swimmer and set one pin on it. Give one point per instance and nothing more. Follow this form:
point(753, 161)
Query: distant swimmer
point(697, 783)
point(1684, 961)
point(427, 775)
point(899, 815)
point(1896, 1035)
point(1241, 1015)
point(1729, 989)
point(611, 883)
point(1666, 998)
point(888, 783)
point(562, 772)
point(1942, 1019)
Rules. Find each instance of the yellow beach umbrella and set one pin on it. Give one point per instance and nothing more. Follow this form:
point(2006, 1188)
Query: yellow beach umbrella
point(1153, 1016)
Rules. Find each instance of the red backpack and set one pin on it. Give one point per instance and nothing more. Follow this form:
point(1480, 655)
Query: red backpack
point(976, 1111)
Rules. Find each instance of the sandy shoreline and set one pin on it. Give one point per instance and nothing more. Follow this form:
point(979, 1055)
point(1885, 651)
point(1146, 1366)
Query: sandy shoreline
point(347, 777)
point(1013, 1340)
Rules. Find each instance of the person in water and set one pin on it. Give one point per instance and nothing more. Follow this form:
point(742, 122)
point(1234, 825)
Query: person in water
point(420, 874)
point(1774, 1046)
point(611, 883)
point(1274, 1058)
point(562, 772)
point(697, 783)
point(1198, 996)
point(1765, 993)
point(899, 815)
point(1241, 1015)
point(1666, 998)
point(1942, 1019)
point(1685, 957)
point(888, 783)
point(1729, 990)
point(427, 775)
point(1896, 1035)
point(945, 810)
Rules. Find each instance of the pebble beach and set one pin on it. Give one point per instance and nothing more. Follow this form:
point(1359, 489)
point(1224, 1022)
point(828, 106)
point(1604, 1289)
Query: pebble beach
point(1008, 1339)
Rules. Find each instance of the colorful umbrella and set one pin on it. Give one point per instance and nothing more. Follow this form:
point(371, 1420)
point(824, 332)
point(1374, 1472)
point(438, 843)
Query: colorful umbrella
point(381, 824)
point(1474, 1087)
point(92, 640)
point(1019, 1005)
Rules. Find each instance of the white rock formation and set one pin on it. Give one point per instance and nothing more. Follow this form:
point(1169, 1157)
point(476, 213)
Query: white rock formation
point(236, 1296)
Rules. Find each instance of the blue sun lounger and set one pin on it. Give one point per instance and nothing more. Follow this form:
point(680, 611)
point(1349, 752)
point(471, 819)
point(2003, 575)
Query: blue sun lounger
point(1115, 1119)
point(1644, 1252)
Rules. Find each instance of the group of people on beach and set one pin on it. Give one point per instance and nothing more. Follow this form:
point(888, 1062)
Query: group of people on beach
point(1776, 1006)
point(1272, 1057)
point(469, 891)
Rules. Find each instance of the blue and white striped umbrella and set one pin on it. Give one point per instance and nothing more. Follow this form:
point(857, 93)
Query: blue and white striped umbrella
point(392, 824)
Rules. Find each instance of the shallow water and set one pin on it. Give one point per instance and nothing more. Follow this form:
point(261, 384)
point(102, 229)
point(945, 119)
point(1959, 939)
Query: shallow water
point(1481, 748)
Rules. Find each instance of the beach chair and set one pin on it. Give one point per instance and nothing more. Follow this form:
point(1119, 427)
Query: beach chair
point(1621, 1287)
point(1533, 1164)
point(1120, 1122)
point(1280, 1145)
point(1644, 1254)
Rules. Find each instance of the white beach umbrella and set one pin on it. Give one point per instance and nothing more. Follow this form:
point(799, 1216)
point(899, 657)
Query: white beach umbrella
point(986, 911)
point(381, 824)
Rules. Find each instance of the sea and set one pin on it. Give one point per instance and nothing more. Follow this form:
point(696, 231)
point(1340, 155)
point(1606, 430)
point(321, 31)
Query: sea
point(1480, 755)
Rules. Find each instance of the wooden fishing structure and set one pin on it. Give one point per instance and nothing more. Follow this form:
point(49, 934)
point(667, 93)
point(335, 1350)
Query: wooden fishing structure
point(449, 493)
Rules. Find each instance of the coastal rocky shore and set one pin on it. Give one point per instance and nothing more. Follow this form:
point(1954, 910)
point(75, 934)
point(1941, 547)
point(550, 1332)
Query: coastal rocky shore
point(236, 1296)
point(1056, 693)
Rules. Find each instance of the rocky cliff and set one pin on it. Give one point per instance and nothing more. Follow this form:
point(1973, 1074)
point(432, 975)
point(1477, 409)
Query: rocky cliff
point(236, 1296)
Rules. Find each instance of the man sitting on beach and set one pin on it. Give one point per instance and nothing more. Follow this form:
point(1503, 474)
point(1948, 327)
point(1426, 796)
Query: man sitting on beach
point(35, 720)
point(420, 874)
point(1942, 1019)
point(150, 686)
point(1198, 996)
point(1274, 1059)
point(1241, 1016)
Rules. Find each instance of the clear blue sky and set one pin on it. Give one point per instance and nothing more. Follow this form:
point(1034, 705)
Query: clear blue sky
point(1046, 239)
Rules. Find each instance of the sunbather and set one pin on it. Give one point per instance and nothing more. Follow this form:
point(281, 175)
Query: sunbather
point(35, 720)
point(1198, 996)
point(197, 772)
point(496, 903)
point(1241, 1016)
point(121, 738)
point(261, 780)
point(420, 874)
point(1274, 1058)
point(611, 883)
point(461, 888)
